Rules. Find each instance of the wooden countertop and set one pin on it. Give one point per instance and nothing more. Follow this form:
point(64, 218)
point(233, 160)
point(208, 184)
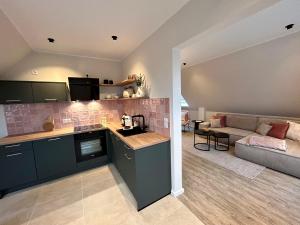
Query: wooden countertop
point(135, 142)
point(140, 140)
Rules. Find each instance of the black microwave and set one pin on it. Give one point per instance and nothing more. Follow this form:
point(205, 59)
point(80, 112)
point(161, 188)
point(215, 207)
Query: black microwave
point(84, 89)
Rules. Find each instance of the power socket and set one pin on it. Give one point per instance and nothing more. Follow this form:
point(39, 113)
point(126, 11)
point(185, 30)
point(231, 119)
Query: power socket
point(67, 120)
point(166, 122)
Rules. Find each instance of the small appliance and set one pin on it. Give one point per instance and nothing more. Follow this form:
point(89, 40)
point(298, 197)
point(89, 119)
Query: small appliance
point(84, 89)
point(90, 142)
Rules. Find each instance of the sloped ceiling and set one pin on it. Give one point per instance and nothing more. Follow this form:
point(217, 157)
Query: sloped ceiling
point(265, 25)
point(85, 28)
point(12, 46)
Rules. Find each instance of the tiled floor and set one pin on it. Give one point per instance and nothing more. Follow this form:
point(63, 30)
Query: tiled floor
point(94, 197)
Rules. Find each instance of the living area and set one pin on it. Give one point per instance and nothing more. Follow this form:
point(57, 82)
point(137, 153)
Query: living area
point(241, 121)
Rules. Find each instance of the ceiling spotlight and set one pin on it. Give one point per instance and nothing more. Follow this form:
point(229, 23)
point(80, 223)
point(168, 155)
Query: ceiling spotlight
point(114, 37)
point(51, 40)
point(289, 26)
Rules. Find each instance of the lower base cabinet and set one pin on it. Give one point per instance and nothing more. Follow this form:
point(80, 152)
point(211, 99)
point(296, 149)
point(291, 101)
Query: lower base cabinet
point(146, 171)
point(17, 165)
point(54, 157)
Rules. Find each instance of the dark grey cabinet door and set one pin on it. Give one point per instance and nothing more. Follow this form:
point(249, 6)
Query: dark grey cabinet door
point(12, 92)
point(128, 168)
point(49, 92)
point(17, 165)
point(54, 156)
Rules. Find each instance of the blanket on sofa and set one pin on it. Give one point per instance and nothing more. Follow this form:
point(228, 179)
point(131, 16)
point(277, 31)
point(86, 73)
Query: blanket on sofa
point(268, 142)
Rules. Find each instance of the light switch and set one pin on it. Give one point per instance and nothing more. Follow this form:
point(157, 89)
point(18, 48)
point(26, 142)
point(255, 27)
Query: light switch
point(166, 123)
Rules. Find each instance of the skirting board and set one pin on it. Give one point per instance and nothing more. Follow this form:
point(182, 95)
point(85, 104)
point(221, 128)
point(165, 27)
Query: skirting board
point(177, 193)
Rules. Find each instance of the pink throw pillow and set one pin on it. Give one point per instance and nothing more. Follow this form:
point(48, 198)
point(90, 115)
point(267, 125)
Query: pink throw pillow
point(222, 119)
point(278, 130)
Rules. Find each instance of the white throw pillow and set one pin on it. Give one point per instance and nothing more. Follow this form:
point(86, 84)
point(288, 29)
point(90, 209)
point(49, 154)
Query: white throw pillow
point(293, 131)
point(263, 129)
point(215, 123)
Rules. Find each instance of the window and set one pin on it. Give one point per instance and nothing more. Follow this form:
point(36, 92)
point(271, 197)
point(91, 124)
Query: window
point(183, 102)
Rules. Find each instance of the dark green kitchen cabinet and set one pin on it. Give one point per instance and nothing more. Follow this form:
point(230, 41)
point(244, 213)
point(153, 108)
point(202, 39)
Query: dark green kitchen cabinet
point(13, 92)
point(49, 91)
point(17, 165)
point(146, 171)
point(54, 157)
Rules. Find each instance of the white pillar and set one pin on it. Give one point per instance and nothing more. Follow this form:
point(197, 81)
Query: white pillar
point(176, 142)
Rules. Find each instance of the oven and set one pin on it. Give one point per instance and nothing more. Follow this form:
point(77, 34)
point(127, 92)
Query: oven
point(90, 145)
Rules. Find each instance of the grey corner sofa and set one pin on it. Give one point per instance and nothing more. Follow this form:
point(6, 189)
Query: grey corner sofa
point(242, 127)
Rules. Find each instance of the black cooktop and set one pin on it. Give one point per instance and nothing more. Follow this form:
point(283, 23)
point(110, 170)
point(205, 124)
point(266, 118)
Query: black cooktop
point(87, 127)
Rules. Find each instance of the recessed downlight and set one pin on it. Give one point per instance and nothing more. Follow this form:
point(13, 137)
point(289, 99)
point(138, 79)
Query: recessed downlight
point(289, 26)
point(114, 37)
point(51, 40)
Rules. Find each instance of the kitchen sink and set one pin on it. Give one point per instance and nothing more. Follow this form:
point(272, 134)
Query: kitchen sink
point(130, 132)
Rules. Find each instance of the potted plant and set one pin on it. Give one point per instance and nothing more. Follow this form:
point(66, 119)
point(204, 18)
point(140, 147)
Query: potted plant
point(140, 82)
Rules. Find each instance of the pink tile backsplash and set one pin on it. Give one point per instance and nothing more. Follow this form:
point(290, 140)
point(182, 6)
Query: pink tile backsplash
point(28, 118)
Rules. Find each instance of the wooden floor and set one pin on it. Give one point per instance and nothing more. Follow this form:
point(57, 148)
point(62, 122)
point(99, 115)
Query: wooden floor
point(218, 196)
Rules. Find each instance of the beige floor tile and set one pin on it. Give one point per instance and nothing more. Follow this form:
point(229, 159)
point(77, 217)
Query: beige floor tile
point(56, 190)
point(99, 196)
point(60, 211)
point(181, 216)
point(16, 217)
point(160, 209)
point(18, 201)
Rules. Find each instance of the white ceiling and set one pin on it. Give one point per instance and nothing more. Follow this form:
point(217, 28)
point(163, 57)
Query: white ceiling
point(85, 28)
point(261, 27)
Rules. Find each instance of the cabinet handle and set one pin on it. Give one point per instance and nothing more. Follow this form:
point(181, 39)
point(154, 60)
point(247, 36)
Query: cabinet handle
point(15, 154)
point(13, 100)
point(50, 99)
point(54, 139)
point(13, 146)
point(127, 157)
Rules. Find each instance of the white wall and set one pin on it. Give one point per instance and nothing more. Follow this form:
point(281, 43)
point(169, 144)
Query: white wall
point(259, 80)
point(54, 67)
point(12, 46)
point(155, 57)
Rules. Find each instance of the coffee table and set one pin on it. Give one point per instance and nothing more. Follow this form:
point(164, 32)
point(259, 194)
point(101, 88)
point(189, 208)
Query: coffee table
point(203, 146)
point(221, 146)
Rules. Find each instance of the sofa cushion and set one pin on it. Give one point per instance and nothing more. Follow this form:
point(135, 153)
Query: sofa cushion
point(222, 119)
point(215, 123)
point(269, 120)
point(278, 130)
point(293, 147)
point(293, 131)
point(233, 131)
point(268, 142)
point(241, 122)
point(263, 129)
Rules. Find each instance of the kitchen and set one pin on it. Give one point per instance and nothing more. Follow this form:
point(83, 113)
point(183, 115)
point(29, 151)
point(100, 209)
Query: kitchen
point(87, 133)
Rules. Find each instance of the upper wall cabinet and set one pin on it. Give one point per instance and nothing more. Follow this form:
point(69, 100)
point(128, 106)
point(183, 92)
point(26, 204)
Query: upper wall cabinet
point(49, 92)
point(12, 92)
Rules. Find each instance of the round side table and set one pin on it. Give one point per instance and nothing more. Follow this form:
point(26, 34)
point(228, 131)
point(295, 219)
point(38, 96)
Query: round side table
point(221, 146)
point(203, 146)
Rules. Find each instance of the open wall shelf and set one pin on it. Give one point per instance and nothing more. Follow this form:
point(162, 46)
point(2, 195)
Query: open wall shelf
point(119, 84)
point(115, 99)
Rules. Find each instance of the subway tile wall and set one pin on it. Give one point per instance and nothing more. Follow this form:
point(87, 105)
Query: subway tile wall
point(28, 118)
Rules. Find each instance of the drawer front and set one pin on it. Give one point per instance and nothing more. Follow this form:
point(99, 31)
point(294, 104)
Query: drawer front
point(54, 156)
point(17, 165)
